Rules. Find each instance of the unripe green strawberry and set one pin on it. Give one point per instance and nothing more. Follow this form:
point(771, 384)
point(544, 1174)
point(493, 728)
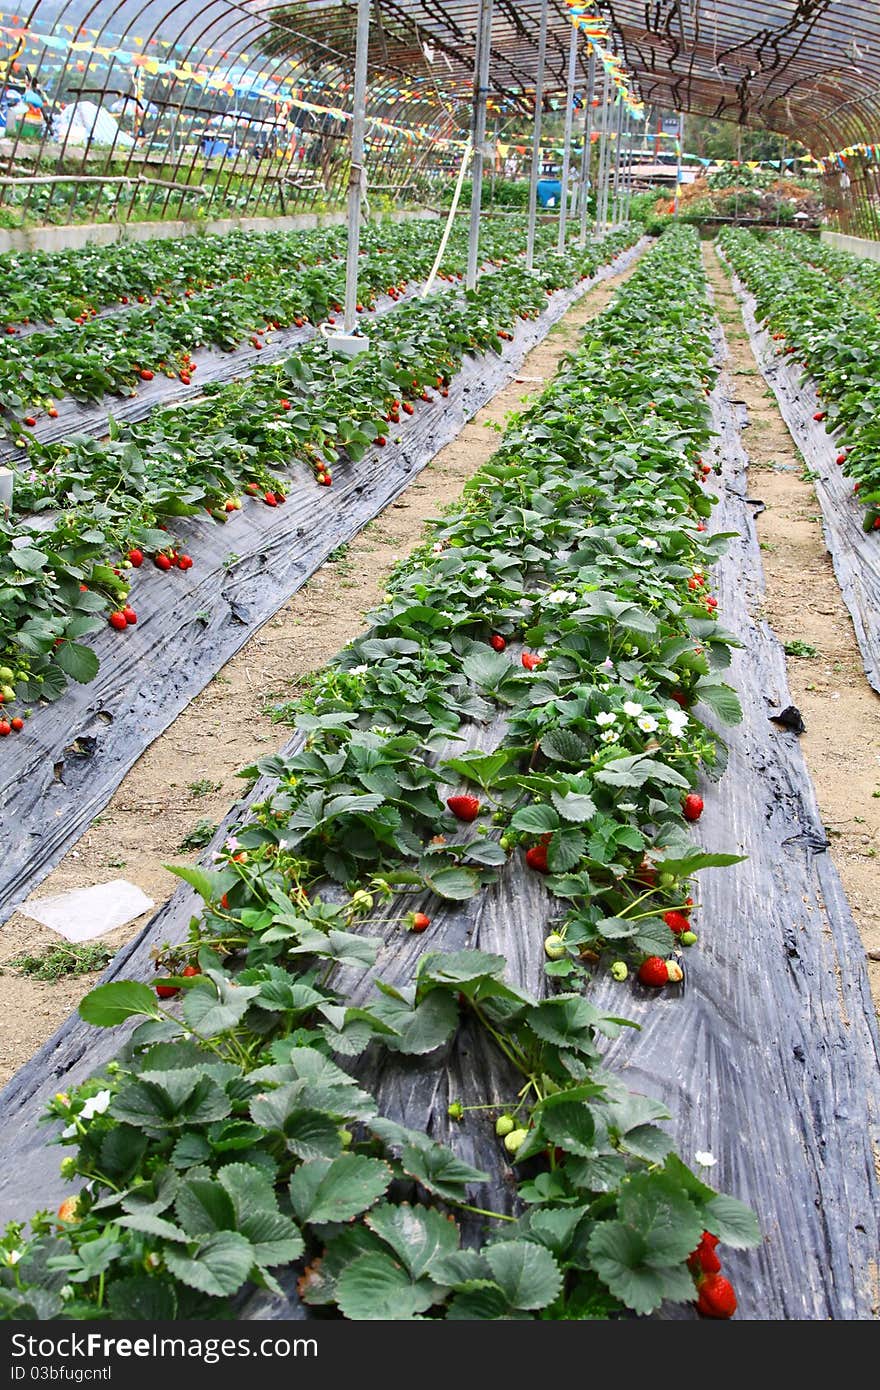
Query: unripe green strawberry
point(688, 938)
point(504, 1125)
point(455, 1111)
point(554, 946)
point(515, 1140)
point(619, 970)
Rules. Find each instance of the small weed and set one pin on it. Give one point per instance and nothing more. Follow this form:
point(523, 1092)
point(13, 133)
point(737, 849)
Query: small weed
point(201, 834)
point(203, 787)
point(59, 962)
point(809, 475)
point(231, 559)
point(799, 648)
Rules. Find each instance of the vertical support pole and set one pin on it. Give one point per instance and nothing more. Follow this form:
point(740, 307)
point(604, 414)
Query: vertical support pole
point(781, 176)
point(356, 174)
point(625, 182)
point(618, 140)
point(602, 171)
point(566, 139)
point(535, 172)
point(584, 181)
point(481, 87)
point(739, 155)
point(679, 150)
point(494, 164)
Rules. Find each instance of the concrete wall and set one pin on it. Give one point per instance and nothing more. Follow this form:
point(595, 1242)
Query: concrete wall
point(103, 233)
point(856, 245)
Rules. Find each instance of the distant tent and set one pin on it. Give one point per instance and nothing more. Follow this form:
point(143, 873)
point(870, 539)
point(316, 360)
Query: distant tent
point(84, 123)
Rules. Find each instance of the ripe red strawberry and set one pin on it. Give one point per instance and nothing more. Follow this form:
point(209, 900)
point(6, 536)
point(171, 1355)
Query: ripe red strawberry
point(167, 991)
point(162, 562)
point(285, 405)
point(5, 728)
point(679, 697)
point(717, 1298)
point(30, 421)
point(711, 602)
point(10, 328)
point(841, 457)
point(52, 413)
point(419, 922)
point(257, 344)
point(654, 972)
point(252, 488)
point(185, 378)
point(118, 621)
point(497, 641)
point(381, 440)
point(410, 409)
point(677, 922)
point(819, 415)
point(17, 723)
point(270, 499)
point(145, 374)
point(184, 562)
point(465, 807)
point(129, 615)
point(692, 806)
point(703, 1260)
point(530, 661)
point(136, 557)
point(536, 858)
point(189, 971)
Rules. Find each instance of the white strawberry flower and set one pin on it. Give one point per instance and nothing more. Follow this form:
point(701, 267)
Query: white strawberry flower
point(561, 596)
point(605, 717)
point(231, 843)
point(481, 573)
point(631, 709)
point(676, 720)
point(610, 736)
point(358, 670)
point(95, 1105)
point(705, 1159)
point(13, 1256)
point(647, 724)
point(648, 543)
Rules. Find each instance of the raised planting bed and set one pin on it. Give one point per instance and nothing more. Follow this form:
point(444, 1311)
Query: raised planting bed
point(817, 344)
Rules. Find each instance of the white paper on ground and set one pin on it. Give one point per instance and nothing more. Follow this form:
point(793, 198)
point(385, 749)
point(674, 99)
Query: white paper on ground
point(85, 913)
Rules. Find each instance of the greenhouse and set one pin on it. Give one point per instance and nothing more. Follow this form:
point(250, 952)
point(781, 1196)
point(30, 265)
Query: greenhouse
point(439, 664)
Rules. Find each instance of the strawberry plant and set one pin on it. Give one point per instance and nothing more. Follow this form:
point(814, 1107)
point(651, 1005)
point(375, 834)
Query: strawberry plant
point(818, 308)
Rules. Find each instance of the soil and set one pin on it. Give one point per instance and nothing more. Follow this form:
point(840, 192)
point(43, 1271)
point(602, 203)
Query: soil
point(804, 606)
point(189, 773)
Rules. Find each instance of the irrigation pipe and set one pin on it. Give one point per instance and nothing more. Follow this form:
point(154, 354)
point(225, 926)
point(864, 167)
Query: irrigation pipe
point(459, 185)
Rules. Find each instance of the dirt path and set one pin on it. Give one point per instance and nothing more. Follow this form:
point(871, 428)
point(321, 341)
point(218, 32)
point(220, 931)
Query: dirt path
point(805, 609)
point(189, 773)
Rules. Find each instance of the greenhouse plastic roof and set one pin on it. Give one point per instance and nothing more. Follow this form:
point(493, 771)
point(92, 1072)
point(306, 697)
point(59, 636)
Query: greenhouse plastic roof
point(806, 68)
